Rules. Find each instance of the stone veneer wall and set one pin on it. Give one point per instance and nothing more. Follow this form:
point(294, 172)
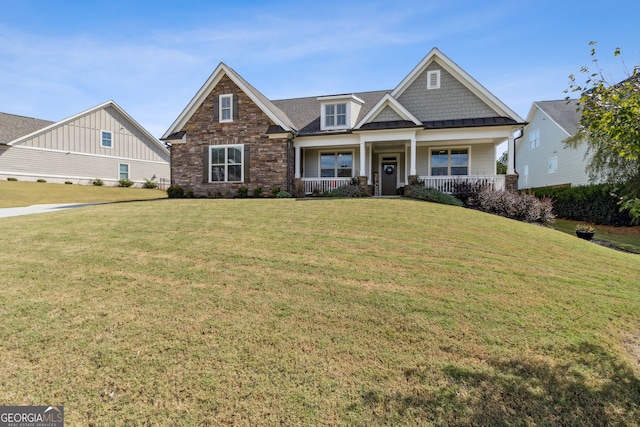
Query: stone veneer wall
point(268, 158)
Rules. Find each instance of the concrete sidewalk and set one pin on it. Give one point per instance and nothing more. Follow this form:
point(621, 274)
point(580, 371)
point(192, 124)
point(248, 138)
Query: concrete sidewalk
point(35, 209)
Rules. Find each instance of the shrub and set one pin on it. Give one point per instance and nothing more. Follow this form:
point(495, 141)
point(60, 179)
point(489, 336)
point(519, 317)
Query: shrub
point(41, 180)
point(275, 191)
point(125, 183)
point(243, 191)
point(97, 182)
point(283, 195)
point(149, 184)
point(189, 194)
point(12, 179)
point(349, 190)
point(590, 203)
point(467, 192)
point(257, 192)
point(522, 207)
point(175, 192)
point(430, 195)
point(68, 182)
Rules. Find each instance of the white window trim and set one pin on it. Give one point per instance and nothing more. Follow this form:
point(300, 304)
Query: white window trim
point(226, 154)
point(220, 109)
point(433, 79)
point(534, 137)
point(553, 159)
point(102, 139)
point(128, 171)
point(449, 148)
point(323, 116)
point(334, 152)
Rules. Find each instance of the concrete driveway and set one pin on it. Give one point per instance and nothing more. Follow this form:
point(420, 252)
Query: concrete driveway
point(35, 209)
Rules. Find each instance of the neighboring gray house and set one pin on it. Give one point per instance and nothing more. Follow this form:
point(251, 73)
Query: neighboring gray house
point(438, 126)
point(103, 142)
point(542, 158)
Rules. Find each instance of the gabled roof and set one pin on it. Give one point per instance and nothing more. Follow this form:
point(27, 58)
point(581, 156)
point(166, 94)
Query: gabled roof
point(63, 122)
point(565, 114)
point(13, 126)
point(388, 101)
point(305, 112)
point(463, 77)
point(271, 110)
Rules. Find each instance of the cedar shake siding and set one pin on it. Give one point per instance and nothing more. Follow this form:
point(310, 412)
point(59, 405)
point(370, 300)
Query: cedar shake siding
point(265, 159)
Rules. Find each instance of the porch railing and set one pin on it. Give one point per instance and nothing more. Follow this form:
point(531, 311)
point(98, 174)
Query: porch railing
point(321, 185)
point(446, 183)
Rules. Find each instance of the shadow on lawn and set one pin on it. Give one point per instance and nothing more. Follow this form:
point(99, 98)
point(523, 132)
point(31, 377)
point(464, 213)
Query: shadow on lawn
point(597, 389)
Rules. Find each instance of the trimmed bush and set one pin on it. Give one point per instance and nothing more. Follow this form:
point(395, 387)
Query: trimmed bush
point(41, 180)
point(175, 192)
point(125, 183)
point(430, 195)
point(275, 191)
point(12, 179)
point(349, 190)
point(149, 184)
point(283, 195)
point(97, 182)
point(243, 191)
point(589, 203)
point(257, 192)
point(68, 182)
point(519, 206)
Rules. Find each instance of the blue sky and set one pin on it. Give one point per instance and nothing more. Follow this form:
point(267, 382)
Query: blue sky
point(58, 58)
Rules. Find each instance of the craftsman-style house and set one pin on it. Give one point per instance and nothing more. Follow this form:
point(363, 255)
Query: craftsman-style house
point(438, 125)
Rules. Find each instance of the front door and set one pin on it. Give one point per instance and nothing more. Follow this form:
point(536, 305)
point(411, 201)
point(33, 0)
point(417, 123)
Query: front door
point(389, 176)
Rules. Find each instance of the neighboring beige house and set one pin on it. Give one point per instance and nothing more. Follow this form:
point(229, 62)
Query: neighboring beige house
point(438, 125)
point(542, 158)
point(103, 142)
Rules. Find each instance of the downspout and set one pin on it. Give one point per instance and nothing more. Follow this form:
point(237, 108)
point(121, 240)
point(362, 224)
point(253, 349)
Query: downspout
point(515, 141)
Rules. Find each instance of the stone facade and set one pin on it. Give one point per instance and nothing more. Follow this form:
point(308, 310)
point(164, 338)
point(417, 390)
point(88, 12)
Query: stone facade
point(268, 163)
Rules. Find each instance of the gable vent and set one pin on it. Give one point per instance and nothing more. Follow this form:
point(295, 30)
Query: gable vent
point(433, 79)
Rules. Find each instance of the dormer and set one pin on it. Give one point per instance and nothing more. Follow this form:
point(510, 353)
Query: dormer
point(339, 112)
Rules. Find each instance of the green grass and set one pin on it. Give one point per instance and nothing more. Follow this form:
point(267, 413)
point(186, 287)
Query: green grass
point(335, 312)
point(625, 238)
point(15, 194)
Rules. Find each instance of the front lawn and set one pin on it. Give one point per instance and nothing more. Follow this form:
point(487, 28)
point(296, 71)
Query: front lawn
point(16, 194)
point(351, 312)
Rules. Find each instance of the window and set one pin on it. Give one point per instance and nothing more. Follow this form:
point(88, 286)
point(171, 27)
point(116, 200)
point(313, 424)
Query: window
point(123, 171)
point(450, 162)
point(534, 139)
point(335, 115)
point(433, 79)
point(226, 163)
point(336, 164)
point(553, 165)
point(106, 139)
point(226, 108)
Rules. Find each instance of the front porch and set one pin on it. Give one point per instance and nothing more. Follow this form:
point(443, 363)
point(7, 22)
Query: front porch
point(385, 161)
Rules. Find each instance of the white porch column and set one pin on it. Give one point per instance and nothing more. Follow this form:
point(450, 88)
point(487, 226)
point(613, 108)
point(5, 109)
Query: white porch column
point(511, 153)
point(370, 157)
point(412, 170)
point(297, 161)
point(363, 155)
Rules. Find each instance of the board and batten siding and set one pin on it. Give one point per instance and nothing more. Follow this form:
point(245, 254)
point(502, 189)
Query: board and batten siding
point(570, 162)
point(83, 135)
